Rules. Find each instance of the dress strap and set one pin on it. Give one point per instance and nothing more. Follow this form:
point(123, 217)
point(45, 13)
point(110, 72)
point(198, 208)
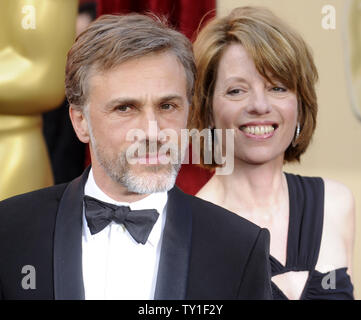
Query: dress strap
point(306, 199)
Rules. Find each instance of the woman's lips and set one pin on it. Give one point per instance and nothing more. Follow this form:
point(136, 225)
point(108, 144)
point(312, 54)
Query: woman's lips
point(259, 131)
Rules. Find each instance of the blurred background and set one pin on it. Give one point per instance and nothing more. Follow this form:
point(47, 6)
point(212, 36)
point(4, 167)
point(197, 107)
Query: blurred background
point(331, 27)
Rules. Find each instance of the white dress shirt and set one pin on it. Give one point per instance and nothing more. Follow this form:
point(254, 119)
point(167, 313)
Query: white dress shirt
point(115, 266)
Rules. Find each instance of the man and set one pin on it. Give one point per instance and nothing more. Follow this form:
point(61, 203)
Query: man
point(80, 240)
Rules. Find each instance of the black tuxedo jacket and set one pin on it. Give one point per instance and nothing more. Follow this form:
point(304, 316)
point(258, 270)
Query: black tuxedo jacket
point(207, 252)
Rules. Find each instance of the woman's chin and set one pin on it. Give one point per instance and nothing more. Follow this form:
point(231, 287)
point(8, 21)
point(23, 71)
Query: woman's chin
point(259, 158)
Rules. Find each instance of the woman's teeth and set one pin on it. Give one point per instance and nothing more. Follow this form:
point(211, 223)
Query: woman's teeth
point(258, 130)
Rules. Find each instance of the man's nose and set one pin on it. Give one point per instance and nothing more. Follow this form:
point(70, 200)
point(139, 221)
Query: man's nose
point(151, 125)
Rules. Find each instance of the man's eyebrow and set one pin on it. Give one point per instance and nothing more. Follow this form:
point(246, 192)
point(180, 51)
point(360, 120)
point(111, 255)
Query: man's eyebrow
point(132, 101)
point(121, 101)
point(170, 98)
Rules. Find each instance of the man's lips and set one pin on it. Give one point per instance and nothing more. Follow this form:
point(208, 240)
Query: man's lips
point(151, 158)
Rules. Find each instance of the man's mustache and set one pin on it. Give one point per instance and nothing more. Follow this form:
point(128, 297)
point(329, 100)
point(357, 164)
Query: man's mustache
point(148, 147)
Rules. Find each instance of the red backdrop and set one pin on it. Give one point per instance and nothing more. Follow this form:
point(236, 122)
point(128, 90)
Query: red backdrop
point(186, 16)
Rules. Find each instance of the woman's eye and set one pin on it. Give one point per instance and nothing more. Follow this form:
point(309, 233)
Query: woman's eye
point(279, 89)
point(233, 92)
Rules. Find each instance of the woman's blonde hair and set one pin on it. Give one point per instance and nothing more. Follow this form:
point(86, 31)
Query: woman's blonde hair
point(277, 51)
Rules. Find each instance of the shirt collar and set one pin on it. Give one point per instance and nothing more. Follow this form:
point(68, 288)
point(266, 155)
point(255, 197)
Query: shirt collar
point(156, 201)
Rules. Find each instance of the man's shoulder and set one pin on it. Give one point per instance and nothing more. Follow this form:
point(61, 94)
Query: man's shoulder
point(212, 214)
point(32, 201)
point(228, 253)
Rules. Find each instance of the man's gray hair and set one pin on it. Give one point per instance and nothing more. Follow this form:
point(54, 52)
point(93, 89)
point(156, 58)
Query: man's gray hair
point(113, 39)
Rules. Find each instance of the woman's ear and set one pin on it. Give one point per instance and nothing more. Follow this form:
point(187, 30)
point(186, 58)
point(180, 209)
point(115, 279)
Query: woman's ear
point(80, 124)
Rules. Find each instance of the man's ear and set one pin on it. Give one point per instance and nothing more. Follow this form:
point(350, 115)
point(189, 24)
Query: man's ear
point(80, 124)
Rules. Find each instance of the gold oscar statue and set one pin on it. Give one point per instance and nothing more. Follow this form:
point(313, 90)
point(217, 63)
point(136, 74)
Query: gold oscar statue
point(35, 36)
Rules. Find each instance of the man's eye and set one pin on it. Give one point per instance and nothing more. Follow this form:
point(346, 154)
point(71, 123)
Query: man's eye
point(124, 108)
point(167, 106)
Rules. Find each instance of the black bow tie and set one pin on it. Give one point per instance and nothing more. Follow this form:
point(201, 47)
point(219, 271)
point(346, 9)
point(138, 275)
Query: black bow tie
point(139, 223)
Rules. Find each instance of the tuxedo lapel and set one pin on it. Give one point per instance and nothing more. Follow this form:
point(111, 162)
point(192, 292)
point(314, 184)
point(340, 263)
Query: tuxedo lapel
point(174, 256)
point(175, 251)
point(68, 276)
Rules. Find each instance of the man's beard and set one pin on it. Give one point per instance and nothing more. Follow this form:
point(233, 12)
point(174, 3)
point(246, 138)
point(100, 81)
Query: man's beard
point(150, 179)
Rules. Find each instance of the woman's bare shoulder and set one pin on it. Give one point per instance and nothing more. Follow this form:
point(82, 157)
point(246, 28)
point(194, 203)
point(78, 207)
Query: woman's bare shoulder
point(338, 227)
point(339, 200)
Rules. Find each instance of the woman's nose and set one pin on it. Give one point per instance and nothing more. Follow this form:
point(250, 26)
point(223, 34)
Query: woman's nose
point(259, 103)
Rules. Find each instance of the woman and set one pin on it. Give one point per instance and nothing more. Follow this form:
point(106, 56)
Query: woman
point(257, 76)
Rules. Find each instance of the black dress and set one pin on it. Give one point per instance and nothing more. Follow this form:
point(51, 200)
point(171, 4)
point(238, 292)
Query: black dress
point(306, 198)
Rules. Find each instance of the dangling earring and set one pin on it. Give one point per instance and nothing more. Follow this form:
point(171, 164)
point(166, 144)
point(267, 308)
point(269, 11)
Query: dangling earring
point(298, 129)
